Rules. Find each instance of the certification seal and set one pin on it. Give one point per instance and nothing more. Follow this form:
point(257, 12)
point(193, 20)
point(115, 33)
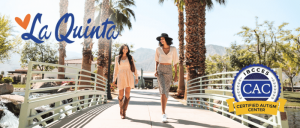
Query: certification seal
point(256, 90)
point(256, 83)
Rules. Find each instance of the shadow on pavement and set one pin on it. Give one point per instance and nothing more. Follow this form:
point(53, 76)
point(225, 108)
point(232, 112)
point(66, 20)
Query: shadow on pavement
point(179, 121)
point(81, 118)
point(151, 122)
point(187, 122)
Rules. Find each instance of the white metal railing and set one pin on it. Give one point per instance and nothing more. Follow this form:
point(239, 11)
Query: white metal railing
point(28, 112)
point(205, 100)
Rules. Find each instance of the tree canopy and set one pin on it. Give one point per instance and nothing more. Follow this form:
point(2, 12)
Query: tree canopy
point(44, 52)
point(8, 42)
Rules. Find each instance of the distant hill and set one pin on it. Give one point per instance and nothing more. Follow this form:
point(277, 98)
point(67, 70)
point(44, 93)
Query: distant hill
point(144, 57)
point(215, 49)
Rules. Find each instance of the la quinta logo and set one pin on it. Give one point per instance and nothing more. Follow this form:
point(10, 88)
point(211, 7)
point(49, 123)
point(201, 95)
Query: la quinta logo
point(44, 34)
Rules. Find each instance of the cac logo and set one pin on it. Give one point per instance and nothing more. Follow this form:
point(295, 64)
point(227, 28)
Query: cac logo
point(256, 83)
point(256, 90)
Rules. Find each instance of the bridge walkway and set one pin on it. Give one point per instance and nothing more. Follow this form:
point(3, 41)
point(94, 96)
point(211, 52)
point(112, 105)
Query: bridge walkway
point(144, 111)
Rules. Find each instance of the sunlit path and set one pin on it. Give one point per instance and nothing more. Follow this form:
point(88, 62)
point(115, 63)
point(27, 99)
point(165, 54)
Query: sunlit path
point(144, 110)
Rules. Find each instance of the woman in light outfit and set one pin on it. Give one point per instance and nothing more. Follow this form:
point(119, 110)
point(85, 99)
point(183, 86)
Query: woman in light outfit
point(164, 56)
point(124, 67)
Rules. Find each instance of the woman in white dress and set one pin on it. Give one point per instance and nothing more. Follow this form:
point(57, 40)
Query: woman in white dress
point(123, 73)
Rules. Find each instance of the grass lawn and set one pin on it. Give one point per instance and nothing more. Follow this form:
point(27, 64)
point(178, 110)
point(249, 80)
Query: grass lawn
point(218, 92)
point(293, 98)
point(19, 85)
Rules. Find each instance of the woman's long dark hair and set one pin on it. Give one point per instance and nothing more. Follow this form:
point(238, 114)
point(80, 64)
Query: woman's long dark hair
point(168, 40)
point(128, 55)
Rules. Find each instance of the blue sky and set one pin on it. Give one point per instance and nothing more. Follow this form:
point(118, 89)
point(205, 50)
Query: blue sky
point(152, 19)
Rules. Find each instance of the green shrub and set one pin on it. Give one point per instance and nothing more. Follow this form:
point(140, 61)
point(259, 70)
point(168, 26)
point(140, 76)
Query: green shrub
point(71, 82)
point(173, 88)
point(1, 78)
point(6, 80)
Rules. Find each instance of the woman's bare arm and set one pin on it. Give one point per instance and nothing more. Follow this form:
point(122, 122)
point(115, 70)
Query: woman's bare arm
point(156, 64)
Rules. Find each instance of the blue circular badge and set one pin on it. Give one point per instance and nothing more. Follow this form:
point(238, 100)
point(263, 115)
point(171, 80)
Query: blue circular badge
point(256, 83)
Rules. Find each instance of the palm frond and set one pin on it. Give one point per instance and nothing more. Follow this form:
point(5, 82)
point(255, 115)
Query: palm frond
point(128, 10)
point(127, 2)
point(120, 13)
point(221, 2)
point(209, 4)
point(161, 1)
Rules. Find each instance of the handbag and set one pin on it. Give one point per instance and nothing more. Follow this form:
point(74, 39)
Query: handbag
point(132, 66)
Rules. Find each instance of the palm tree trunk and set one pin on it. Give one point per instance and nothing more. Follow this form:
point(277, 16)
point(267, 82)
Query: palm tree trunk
point(62, 45)
point(103, 43)
point(202, 48)
point(102, 60)
point(87, 59)
point(194, 58)
point(181, 86)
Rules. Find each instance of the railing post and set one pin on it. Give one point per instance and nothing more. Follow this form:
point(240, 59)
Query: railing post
point(105, 96)
point(99, 100)
point(95, 84)
point(274, 119)
point(223, 84)
point(57, 104)
point(224, 103)
point(245, 117)
point(76, 81)
point(74, 104)
point(86, 101)
point(224, 93)
point(201, 92)
point(279, 119)
point(24, 113)
point(93, 100)
point(187, 93)
point(105, 99)
point(210, 104)
point(193, 102)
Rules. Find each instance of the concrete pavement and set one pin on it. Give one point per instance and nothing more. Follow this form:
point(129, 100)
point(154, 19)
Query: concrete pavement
point(144, 111)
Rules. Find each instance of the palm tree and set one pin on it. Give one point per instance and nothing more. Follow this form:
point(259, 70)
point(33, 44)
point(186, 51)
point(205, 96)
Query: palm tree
point(180, 4)
point(195, 36)
point(63, 4)
point(87, 56)
point(119, 12)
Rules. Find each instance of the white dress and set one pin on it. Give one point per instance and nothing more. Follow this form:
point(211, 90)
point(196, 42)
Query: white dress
point(123, 73)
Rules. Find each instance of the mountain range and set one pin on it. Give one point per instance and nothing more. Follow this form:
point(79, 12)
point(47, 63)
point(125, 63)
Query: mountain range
point(144, 59)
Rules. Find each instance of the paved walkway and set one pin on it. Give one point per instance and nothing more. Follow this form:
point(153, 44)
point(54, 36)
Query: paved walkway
point(144, 111)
